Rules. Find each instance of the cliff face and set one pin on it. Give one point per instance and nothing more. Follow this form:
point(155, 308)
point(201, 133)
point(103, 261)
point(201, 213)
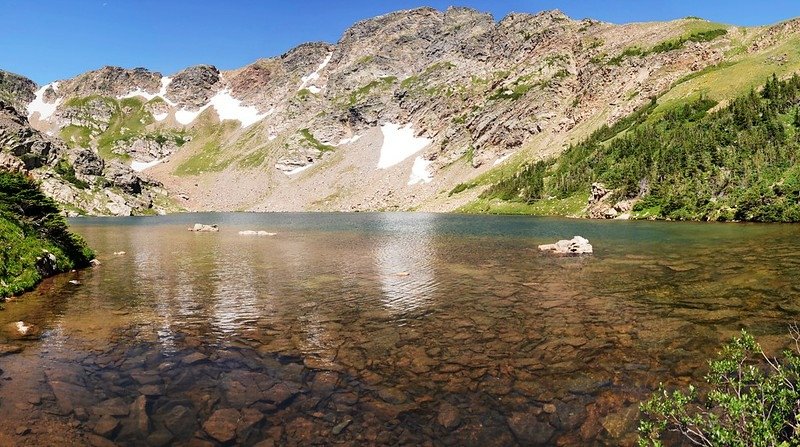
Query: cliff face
point(393, 116)
point(75, 177)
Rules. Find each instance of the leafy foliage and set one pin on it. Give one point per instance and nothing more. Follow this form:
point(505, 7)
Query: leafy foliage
point(752, 401)
point(30, 224)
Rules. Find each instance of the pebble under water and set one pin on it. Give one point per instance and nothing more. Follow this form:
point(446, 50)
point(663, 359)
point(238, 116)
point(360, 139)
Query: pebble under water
point(381, 329)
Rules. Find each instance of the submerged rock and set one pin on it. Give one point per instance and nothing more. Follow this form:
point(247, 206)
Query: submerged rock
point(256, 233)
point(203, 228)
point(575, 246)
point(222, 425)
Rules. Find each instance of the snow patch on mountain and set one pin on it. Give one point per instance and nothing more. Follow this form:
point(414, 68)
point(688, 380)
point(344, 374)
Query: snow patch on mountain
point(502, 159)
point(420, 172)
point(38, 105)
point(310, 78)
point(227, 108)
point(230, 108)
point(186, 117)
point(352, 139)
point(399, 143)
point(162, 92)
point(140, 166)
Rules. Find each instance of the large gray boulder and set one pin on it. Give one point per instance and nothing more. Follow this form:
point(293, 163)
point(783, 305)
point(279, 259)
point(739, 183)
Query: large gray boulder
point(575, 246)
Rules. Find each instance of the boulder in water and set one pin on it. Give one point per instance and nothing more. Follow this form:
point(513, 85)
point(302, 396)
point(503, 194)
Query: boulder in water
point(203, 228)
point(575, 246)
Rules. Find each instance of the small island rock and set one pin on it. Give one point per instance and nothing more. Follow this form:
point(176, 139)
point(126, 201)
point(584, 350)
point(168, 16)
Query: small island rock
point(575, 246)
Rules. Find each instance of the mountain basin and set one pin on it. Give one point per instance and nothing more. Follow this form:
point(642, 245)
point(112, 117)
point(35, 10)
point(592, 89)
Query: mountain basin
point(382, 328)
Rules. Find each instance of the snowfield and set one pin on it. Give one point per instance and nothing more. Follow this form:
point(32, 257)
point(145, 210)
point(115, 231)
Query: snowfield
point(38, 105)
point(399, 143)
point(162, 92)
point(227, 107)
point(230, 108)
point(420, 172)
point(140, 166)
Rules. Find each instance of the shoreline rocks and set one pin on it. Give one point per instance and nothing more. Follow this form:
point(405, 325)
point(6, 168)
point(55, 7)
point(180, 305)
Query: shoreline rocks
point(570, 247)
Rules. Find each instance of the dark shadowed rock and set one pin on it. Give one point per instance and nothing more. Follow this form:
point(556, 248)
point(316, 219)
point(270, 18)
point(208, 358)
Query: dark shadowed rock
point(107, 426)
point(529, 430)
point(449, 417)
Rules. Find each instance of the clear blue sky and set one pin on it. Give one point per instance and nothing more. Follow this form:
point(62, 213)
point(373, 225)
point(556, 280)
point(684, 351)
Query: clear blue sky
point(55, 39)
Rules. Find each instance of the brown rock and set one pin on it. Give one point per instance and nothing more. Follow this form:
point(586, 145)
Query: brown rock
point(99, 441)
point(449, 417)
point(106, 426)
point(280, 393)
point(138, 413)
point(392, 395)
point(6, 349)
point(222, 425)
point(529, 430)
point(111, 407)
point(69, 396)
point(194, 358)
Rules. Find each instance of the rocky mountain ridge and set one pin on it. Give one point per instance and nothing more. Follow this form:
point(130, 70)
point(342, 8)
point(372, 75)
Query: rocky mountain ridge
point(402, 109)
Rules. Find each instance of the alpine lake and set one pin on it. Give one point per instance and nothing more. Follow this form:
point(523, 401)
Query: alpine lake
point(382, 329)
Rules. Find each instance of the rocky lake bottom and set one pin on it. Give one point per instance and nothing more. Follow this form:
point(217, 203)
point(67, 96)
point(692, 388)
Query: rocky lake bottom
point(381, 329)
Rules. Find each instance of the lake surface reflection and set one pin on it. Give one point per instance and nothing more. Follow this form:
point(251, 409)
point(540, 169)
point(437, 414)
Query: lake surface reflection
point(381, 328)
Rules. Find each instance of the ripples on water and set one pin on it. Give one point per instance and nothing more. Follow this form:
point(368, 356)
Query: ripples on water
point(417, 328)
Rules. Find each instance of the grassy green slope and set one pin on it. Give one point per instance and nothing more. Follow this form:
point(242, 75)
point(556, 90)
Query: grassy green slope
point(30, 228)
point(740, 162)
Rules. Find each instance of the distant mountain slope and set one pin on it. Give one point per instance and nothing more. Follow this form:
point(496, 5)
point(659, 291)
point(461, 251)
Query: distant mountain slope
point(399, 112)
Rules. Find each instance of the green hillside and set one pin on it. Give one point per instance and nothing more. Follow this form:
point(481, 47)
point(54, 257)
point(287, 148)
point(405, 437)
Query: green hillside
point(738, 162)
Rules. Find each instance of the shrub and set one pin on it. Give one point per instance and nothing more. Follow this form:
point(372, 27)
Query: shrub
point(752, 401)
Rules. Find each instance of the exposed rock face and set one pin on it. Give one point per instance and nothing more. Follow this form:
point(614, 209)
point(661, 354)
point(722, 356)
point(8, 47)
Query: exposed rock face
point(74, 177)
point(110, 81)
point(123, 177)
point(193, 87)
point(16, 90)
point(600, 204)
point(17, 138)
point(146, 149)
point(86, 162)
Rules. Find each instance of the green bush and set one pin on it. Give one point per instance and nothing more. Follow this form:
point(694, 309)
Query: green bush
point(752, 400)
point(30, 225)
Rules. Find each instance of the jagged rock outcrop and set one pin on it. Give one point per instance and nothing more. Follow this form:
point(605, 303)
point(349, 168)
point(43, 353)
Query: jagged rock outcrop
point(110, 81)
point(16, 90)
point(193, 86)
point(77, 177)
point(602, 206)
